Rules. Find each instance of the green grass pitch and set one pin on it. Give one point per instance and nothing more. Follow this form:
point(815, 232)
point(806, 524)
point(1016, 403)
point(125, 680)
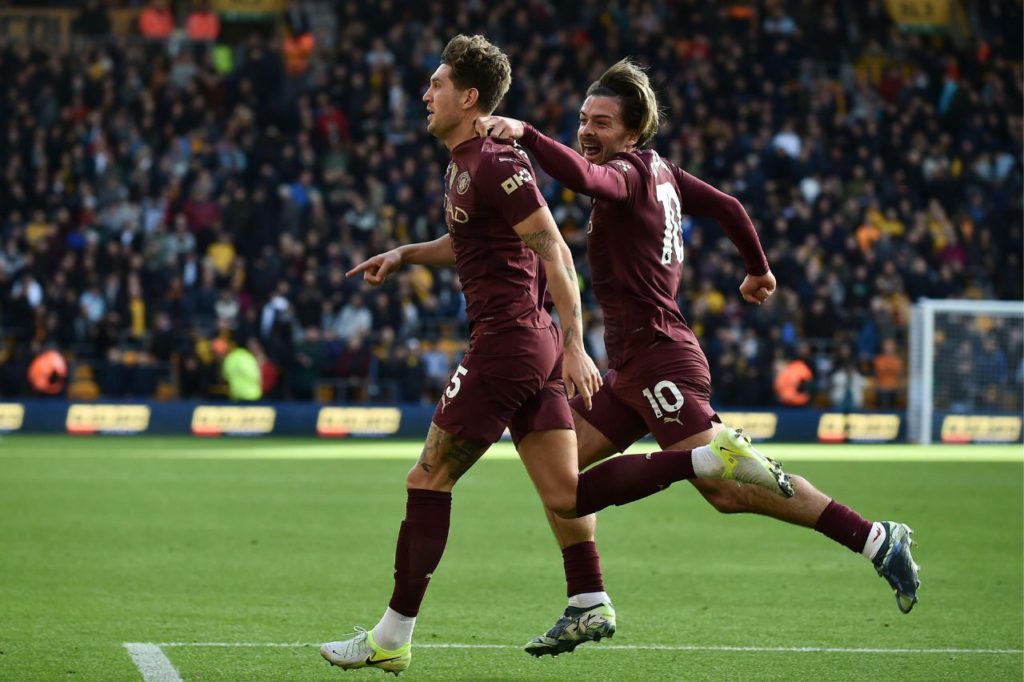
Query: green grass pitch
point(272, 546)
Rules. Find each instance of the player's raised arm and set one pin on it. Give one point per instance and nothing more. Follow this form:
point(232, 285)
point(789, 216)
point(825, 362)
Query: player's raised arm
point(375, 270)
point(560, 162)
point(701, 199)
point(540, 233)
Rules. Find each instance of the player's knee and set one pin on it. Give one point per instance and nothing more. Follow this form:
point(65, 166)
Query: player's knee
point(420, 479)
point(561, 505)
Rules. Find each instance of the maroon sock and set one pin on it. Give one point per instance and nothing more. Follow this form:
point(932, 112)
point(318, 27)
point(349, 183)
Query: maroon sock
point(582, 569)
point(843, 525)
point(630, 477)
point(421, 542)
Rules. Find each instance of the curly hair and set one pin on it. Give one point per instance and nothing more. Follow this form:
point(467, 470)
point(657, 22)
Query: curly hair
point(476, 63)
point(628, 81)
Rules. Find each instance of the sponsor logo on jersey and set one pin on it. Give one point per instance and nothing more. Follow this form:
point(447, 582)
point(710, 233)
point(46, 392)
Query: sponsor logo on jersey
point(624, 166)
point(463, 183)
point(516, 181)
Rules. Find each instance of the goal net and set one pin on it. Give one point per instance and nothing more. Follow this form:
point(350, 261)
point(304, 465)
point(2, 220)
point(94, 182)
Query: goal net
point(966, 371)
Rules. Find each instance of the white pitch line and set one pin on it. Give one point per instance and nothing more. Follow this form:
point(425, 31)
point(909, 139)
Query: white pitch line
point(642, 647)
point(152, 663)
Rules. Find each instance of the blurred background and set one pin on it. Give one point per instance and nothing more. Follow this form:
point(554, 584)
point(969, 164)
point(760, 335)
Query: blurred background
point(184, 185)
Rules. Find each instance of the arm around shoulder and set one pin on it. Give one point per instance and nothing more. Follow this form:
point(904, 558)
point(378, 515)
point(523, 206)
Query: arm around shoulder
point(574, 171)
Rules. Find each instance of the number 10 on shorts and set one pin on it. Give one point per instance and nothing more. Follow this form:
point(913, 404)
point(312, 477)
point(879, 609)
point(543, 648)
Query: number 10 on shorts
point(456, 382)
point(659, 401)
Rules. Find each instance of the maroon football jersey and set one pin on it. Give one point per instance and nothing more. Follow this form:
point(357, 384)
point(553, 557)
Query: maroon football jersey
point(634, 239)
point(489, 187)
point(636, 271)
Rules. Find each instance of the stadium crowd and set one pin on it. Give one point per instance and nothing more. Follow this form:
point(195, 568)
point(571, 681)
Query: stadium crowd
point(159, 196)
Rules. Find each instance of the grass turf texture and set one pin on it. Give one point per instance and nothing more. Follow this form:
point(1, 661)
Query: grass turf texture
point(112, 540)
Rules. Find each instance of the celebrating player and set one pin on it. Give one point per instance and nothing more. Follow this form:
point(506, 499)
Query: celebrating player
point(659, 381)
point(499, 231)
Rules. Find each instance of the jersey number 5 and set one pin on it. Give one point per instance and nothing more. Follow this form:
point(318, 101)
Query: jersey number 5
point(453, 390)
point(672, 242)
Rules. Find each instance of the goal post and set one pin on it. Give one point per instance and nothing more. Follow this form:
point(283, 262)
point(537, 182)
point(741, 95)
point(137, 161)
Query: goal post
point(966, 371)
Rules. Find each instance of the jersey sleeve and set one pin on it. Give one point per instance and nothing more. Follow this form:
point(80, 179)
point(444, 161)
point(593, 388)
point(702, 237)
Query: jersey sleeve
point(507, 180)
point(610, 181)
point(701, 199)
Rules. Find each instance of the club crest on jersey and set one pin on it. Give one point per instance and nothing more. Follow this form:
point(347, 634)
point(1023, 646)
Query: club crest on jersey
point(463, 183)
point(516, 181)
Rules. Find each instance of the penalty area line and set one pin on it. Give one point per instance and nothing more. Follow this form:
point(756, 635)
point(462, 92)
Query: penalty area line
point(152, 663)
point(639, 647)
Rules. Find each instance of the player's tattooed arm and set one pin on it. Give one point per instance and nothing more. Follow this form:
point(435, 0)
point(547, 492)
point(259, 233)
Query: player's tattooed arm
point(449, 454)
point(539, 232)
point(540, 243)
point(570, 333)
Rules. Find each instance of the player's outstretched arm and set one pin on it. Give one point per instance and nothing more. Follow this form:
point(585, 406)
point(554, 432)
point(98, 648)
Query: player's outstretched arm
point(375, 270)
point(560, 162)
point(540, 233)
point(701, 199)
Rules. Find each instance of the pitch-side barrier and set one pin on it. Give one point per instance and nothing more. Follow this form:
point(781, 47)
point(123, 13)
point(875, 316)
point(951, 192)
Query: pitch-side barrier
point(411, 421)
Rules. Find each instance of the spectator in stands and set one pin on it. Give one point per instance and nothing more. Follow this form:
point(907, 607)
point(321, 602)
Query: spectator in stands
point(993, 373)
point(111, 156)
point(888, 375)
point(846, 383)
point(793, 382)
point(48, 373)
point(203, 25)
point(299, 42)
point(156, 21)
point(353, 319)
point(353, 366)
point(241, 371)
point(93, 20)
point(310, 356)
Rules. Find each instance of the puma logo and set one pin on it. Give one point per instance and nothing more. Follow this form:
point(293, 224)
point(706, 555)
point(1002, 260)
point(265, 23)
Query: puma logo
point(677, 419)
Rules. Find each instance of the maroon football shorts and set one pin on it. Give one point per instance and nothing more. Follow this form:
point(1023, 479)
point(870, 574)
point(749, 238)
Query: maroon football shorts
point(665, 391)
point(509, 378)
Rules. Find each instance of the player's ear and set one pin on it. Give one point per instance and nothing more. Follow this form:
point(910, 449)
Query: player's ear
point(470, 98)
point(632, 137)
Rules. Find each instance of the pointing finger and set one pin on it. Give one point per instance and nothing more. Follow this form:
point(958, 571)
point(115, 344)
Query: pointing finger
point(362, 267)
